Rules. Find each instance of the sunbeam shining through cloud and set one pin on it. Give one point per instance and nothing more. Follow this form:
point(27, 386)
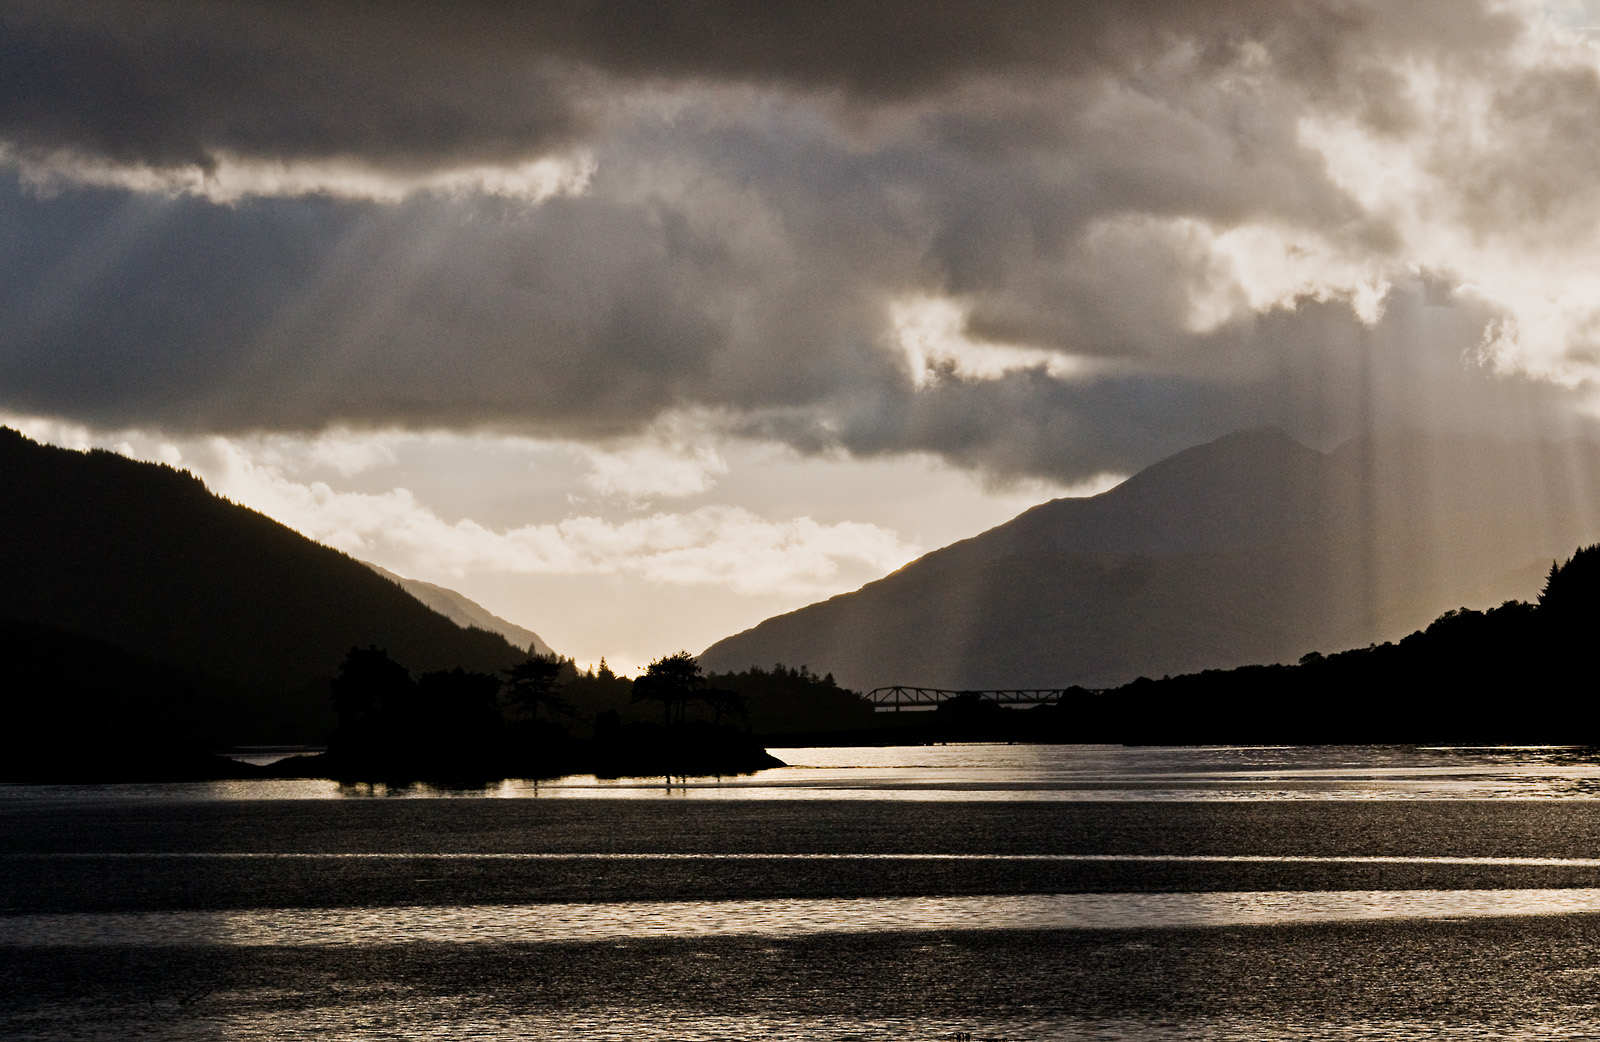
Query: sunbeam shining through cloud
point(548, 517)
point(799, 519)
point(1012, 249)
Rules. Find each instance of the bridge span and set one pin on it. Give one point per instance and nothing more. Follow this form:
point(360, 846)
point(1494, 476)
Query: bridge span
point(899, 696)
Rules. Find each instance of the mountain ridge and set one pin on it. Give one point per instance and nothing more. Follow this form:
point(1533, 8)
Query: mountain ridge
point(144, 558)
point(465, 612)
point(1250, 548)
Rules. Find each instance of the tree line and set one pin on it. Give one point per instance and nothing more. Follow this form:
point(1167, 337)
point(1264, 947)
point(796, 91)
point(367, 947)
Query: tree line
point(1519, 673)
point(541, 716)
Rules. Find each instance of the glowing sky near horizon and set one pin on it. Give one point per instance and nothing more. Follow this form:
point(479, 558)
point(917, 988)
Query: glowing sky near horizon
point(641, 322)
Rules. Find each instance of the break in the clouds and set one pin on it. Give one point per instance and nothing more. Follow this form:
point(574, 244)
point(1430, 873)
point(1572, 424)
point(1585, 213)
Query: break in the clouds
point(591, 545)
point(705, 545)
point(1034, 239)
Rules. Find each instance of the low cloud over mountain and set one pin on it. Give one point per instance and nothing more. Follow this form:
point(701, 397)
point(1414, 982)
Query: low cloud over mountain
point(1034, 239)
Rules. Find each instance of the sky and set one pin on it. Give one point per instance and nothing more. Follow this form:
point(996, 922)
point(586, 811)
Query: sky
point(639, 322)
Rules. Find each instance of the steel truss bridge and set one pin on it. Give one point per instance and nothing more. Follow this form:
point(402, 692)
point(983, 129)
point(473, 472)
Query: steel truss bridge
point(898, 697)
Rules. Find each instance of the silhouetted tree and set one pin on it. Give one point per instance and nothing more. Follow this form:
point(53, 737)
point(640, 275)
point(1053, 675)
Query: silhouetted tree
point(1571, 591)
point(532, 685)
point(723, 701)
point(788, 700)
point(372, 694)
point(597, 690)
point(446, 724)
point(458, 719)
point(673, 680)
point(970, 712)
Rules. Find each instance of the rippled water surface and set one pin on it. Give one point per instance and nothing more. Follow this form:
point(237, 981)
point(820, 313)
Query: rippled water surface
point(1056, 772)
point(614, 921)
point(1019, 772)
point(1012, 892)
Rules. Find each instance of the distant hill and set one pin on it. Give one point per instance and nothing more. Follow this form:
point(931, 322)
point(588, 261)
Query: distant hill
point(143, 558)
point(1249, 549)
point(465, 612)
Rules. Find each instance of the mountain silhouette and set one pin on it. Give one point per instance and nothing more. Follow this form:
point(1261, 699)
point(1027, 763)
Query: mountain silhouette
point(1249, 549)
point(142, 558)
point(462, 611)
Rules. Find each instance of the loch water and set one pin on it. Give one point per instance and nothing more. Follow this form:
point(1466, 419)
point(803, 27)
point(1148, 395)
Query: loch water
point(993, 891)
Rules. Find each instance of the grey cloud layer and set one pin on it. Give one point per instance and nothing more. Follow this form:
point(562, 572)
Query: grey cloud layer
point(799, 168)
point(408, 84)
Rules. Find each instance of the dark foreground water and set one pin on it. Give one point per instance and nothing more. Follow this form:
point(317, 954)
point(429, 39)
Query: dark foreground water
point(1005, 892)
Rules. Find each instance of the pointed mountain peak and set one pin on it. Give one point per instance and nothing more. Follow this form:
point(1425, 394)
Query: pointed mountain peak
point(1253, 452)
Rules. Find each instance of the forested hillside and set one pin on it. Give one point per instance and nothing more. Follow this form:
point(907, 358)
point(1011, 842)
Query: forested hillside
point(142, 558)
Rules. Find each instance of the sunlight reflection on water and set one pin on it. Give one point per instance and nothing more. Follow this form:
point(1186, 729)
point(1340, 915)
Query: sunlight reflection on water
point(524, 924)
point(247, 1014)
point(598, 1026)
point(1054, 772)
point(1012, 772)
point(141, 912)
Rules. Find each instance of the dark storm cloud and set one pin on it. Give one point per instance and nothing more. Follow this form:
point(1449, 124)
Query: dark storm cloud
point(177, 84)
point(581, 320)
point(770, 180)
point(279, 314)
point(417, 85)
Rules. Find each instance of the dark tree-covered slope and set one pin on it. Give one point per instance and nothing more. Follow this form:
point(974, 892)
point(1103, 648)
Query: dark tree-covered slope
point(79, 709)
point(1519, 673)
point(1252, 548)
point(144, 558)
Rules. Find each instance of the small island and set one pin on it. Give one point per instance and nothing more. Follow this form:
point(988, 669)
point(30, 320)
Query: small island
point(539, 718)
point(460, 726)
